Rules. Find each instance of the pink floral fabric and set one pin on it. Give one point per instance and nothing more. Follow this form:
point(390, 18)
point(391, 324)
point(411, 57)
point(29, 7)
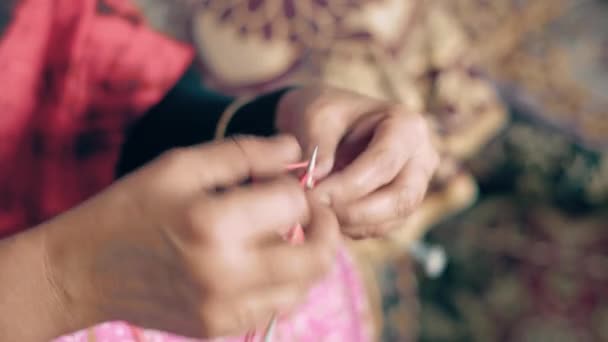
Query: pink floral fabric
point(333, 312)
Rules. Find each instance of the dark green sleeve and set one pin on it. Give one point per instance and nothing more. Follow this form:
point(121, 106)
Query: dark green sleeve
point(188, 115)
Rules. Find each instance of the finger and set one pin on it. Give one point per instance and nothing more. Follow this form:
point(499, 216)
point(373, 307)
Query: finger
point(326, 135)
point(375, 167)
point(330, 137)
point(303, 263)
point(251, 213)
point(371, 231)
point(234, 160)
point(397, 200)
point(356, 141)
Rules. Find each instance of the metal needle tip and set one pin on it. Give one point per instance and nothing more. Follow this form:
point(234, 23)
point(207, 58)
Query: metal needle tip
point(311, 168)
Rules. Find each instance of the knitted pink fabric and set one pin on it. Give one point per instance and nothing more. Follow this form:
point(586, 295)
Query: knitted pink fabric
point(333, 312)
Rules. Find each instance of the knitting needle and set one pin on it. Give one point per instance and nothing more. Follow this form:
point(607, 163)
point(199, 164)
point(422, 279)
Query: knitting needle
point(308, 182)
point(270, 330)
point(310, 170)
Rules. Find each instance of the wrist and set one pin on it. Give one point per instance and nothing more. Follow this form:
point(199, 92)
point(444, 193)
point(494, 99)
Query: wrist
point(71, 244)
point(31, 305)
point(65, 269)
point(75, 246)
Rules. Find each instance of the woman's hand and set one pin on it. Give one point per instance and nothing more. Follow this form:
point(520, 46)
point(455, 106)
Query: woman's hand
point(376, 159)
point(183, 246)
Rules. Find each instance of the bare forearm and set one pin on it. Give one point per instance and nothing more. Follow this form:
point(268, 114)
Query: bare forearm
point(29, 307)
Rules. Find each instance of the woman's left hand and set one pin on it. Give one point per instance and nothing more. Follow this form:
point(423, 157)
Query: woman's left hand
point(375, 160)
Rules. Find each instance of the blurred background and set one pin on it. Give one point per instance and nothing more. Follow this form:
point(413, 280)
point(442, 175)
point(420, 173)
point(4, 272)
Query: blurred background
point(518, 93)
point(529, 261)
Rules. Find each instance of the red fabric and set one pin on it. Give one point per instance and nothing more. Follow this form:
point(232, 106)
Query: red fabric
point(73, 74)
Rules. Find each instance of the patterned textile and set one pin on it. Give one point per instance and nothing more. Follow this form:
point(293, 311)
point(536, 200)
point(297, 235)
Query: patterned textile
point(71, 84)
point(411, 52)
point(528, 262)
point(549, 56)
point(520, 273)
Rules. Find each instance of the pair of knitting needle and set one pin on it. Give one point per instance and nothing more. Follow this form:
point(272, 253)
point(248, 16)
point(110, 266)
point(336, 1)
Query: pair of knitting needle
point(296, 234)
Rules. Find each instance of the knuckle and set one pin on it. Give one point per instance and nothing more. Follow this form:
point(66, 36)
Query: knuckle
point(174, 157)
point(170, 162)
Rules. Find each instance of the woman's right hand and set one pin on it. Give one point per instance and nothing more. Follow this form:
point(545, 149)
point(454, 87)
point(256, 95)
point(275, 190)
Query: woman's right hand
point(183, 246)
